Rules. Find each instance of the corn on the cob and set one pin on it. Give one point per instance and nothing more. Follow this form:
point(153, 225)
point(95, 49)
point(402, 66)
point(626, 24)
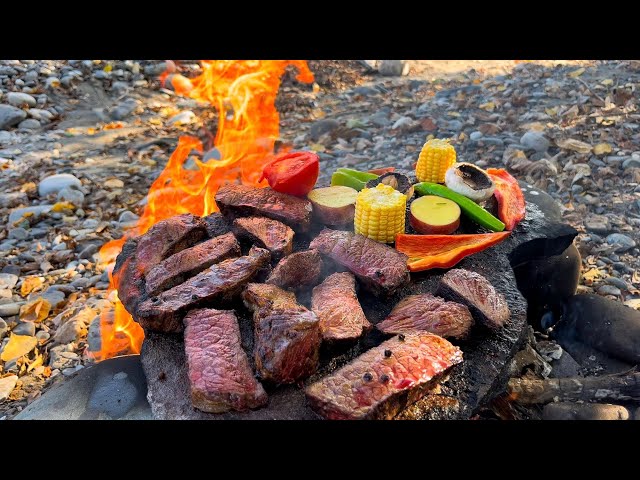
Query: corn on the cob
point(380, 213)
point(435, 158)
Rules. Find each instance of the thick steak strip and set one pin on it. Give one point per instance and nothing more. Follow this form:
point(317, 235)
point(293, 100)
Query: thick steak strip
point(298, 270)
point(267, 233)
point(286, 335)
point(168, 237)
point(220, 282)
point(384, 380)
point(128, 277)
point(487, 305)
point(335, 303)
point(219, 371)
point(245, 201)
point(216, 224)
point(428, 314)
point(379, 267)
point(187, 263)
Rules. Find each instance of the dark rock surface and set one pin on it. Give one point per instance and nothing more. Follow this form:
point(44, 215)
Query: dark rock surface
point(482, 374)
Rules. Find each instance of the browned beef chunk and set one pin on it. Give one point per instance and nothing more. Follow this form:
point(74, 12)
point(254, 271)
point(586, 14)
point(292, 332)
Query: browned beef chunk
point(335, 303)
point(273, 235)
point(287, 335)
point(219, 371)
point(168, 237)
point(298, 270)
point(220, 282)
point(128, 277)
point(487, 305)
point(245, 201)
point(384, 380)
point(379, 267)
point(216, 224)
point(185, 264)
point(427, 313)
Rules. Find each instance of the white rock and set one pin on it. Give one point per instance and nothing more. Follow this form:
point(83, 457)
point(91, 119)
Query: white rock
point(55, 183)
point(18, 99)
point(7, 384)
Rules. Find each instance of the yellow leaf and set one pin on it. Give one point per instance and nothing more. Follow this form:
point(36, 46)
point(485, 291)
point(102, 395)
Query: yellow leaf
point(113, 125)
point(36, 363)
point(453, 114)
point(552, 112)
point(607, 81)
point(61, 206)
point(18, 346)
point(316, 147)
point(489, 106)
point(601, 148)
point(502, 88)
point(590, 275)
point(576, 73)
point(35, 311)
point(29, 284)
point(108, 68)
point(91, 131)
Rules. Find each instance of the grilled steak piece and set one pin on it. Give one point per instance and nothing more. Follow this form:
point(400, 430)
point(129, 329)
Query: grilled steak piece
point(168, 237)
point(427, 313)
point(219, 371)
point(379, 267)
point(487, 305)
point(335, 303)
point(182, 265)
point(220, 282)
point(298, 270)
point(244, 201)
point(128, 277)
point(273, 235)
point(216, 224)
point(287, 335)
point(384, 380)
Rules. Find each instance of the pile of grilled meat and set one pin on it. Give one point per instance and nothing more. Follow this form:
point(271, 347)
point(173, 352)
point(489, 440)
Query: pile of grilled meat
point(184, 273)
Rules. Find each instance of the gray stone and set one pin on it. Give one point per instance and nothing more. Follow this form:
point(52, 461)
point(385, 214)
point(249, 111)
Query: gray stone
point(18, 233)
point(624, 242)
point(10, 309)
point(155, 69)
point(183, 118)
point(54, 296)
point(55, 183)
point(88, 252)
point(475, 135)
point(72, 195)
point(633, 162)
point(29, 124)
point(7, 70)
point(609, 290)
point(617, 282)
point(43, 336)
point(584, 411)
point(25, 328)
point(7, 384)
point(597, 223)
point(10, 116)
point(71, 331)
point(9, 200)
point(60, 357)
point(8, 280)
point(124, 109)
point(40, 114)
point(4, 328)
point(320, 127)
point(18, 99)
point(535, 141)
point(392, 68)
point(128, 217)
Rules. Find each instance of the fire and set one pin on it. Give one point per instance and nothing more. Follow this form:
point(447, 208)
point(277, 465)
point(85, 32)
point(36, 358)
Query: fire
point(244, 94)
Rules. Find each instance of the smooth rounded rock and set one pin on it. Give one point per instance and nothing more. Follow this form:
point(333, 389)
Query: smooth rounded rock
point(623, 242)
point(535, 141)
point(10, 116)
point(25, 328)
point(69, 194)
point(29, 124)
point(584, 411)
point(19, 99)
point(55, 183)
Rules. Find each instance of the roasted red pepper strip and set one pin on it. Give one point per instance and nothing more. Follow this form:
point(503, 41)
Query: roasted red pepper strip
point(382, 171)
point(443, 251)
point(511, 205)
point(294, 173)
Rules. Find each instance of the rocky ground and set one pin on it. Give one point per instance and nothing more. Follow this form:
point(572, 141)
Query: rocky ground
point(82, 141)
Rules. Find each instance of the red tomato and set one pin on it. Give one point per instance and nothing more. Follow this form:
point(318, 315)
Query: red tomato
point(294, 173)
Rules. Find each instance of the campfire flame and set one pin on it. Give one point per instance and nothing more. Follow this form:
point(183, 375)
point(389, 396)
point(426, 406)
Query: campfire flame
point(244, 94)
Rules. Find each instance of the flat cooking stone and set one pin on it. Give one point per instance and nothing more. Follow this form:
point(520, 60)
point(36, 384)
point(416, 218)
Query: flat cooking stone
point(486, 355)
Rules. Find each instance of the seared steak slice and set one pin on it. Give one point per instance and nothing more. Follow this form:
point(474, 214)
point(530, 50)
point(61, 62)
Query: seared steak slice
point(427, 313)
point(245, 201)
point(298, 270)
point(384, 380)
point(219, 371)
point(335, 303)
point(182, 265)
point(273, 235)
point(287, 335)
point(379, 267)
point(168, 237)
point(128, 277)
point(220, 282)
point(487, 305)
point(216, 224)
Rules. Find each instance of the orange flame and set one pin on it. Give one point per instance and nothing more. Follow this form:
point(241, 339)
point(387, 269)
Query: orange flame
point(244, 94)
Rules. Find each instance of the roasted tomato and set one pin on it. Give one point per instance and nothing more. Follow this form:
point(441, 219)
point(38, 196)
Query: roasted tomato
point(294, 173)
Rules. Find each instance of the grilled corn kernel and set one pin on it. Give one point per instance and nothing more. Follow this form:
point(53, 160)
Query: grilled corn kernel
point(435, 158)
point(380, 213)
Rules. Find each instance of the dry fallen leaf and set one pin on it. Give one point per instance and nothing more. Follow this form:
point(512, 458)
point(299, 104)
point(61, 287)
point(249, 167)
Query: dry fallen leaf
point(602, 148)
point(575, 145)
point(489, 106)
point(62, 206)
point(29, 284)
point(576, 73)
point(36, 310)
point(18, 346)
point(114, 183)
point(592, 274)
point(607, 81)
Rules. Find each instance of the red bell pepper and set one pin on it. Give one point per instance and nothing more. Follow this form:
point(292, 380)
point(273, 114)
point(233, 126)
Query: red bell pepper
point(511, 204)
point(382, 170)
point(294, 173)
point(443, 251)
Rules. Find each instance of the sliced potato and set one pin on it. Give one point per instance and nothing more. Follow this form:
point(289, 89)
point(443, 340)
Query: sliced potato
point(333, 205)
point(434, 215)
